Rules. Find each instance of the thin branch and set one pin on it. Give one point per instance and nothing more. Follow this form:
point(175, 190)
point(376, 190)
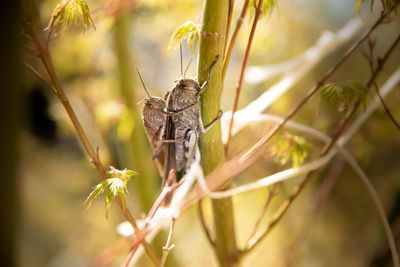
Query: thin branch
point(169, 186)
point(94, 158)
point(196, 171)
point(40, 76)
point(241, 162)
point(295, 70)
point(324, 191)
point(369, 56)
point(168, 246)
point(228, 25)
point(243, 68)
point(258, 147)
point(53, 19)
point(326, 151)
point(232, 41)
point(271, 194)
point(203, 224)
point(390, 115)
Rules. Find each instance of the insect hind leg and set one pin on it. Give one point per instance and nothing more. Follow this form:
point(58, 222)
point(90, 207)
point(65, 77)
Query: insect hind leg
point(205, 128)
point(205, 83)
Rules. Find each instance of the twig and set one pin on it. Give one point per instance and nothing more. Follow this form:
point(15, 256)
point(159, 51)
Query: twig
point(228, 24)
point(232, 41)
point(204, 224)
point(242, 70)
point(241, 162)
point(319, 200)
point(369, 56)
point(258, 147)
point(284, 207)
point(169, 186)
point(271, 194)
point(40, 76)
point(195, 195)
point(390, 115)
point(53, 21)
point(168, 246)
point(94, 158)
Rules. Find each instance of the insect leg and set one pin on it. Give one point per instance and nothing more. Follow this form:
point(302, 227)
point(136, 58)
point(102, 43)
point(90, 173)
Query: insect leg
point(205, 84)
point(176, 112)
point(205, 128)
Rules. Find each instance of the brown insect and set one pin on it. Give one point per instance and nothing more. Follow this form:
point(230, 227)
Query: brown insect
point(173, 124)
point(185, 127)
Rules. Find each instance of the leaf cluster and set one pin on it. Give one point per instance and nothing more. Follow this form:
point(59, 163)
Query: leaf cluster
point(113, 187)
point(189, 31)
point(71, 11)
point(344, 94)
point(292, 148)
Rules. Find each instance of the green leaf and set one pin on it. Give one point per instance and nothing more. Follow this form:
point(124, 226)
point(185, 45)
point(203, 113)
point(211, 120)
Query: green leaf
point(292, 148)
point(116, 186)
point(71, 11)
point(97, 191)
point(343, 94)
point(189, 31)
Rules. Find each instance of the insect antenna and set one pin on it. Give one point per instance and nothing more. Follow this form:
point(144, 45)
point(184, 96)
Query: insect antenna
point(180, 52)
point(188, 65)
point(144, 86)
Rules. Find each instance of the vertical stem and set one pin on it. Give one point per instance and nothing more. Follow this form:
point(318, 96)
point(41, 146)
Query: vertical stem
point(212, 151)
point(137, 150)
point(136, 147)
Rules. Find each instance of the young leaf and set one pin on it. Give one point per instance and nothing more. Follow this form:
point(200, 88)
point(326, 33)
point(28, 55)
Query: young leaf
point(116, 186)
point(189, 31)
point(345, 93)
point(71, 11)
point(292, 148)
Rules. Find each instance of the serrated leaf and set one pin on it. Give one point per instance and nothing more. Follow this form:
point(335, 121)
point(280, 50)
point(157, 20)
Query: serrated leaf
point(71, 11)
point(113, 187)
point(189, 31)
point(97, 191)
point(343, 94)
point(292, 148)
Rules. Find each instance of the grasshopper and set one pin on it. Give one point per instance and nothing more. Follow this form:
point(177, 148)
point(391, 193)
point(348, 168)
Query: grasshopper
point(173, 124)
point(185, 127)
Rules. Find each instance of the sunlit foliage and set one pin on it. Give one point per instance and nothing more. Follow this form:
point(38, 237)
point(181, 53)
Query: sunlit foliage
point(116, 186)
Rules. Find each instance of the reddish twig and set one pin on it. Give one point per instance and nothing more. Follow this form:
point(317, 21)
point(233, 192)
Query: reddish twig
point(93, 155)
point(284, 207)
point(243, 68)
point(271, 194)
point(232, 41)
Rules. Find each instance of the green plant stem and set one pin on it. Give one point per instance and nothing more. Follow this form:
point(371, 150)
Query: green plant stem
point(137, 150)
point(136, 147)
point(47, 62)
point(212, 44)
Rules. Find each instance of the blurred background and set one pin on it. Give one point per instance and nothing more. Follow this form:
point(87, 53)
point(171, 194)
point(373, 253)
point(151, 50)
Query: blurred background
point(333, 226)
